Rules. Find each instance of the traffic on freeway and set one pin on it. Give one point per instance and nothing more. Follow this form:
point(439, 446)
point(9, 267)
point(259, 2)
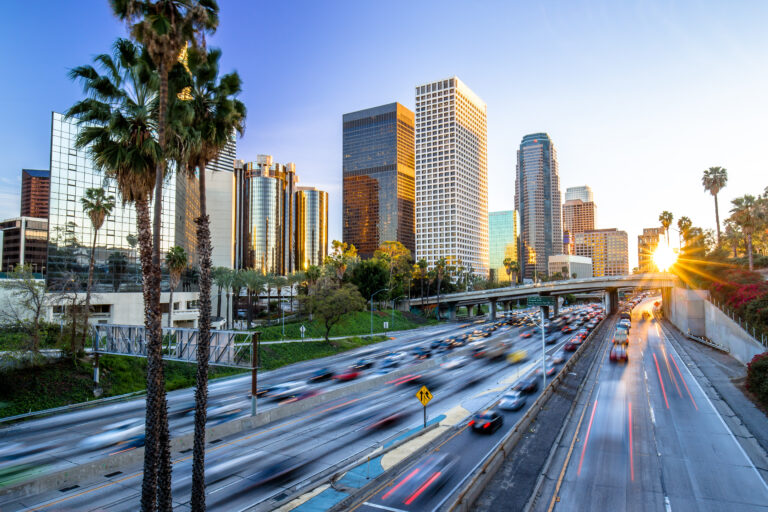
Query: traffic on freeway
point(264, 465)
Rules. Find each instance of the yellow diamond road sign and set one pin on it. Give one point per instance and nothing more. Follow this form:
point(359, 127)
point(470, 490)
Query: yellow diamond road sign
point(424, 396)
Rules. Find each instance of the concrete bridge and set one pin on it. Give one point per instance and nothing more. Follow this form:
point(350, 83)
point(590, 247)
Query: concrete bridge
point(608, 286)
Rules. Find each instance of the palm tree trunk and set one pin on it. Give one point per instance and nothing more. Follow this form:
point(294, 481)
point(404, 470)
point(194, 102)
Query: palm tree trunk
point(437, 311)
point(88, 288)
point(422, 290)
point(717, 220)
point(170, 303)
point(203, 351)
point(218, 303)
point(155, 379)
point(749, 252)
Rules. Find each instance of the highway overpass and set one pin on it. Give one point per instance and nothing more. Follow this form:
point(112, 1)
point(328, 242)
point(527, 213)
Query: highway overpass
point(448, 303)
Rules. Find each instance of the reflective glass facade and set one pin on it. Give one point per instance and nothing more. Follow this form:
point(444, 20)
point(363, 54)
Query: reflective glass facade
point(35, 189)
point(378, 178)
point(311, 227)
point(70, 229)
point(502, 241)
point(24, 241)
point(537, 199)
point(608, 249)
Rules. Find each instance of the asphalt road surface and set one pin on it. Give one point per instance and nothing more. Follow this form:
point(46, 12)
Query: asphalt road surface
point(650, 440)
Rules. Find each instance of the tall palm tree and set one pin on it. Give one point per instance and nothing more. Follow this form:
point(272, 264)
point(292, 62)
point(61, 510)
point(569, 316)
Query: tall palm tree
point(118, 128)
point(98, 205)
point(254, 282)
point(422, 264)
point(666, 220)
point(684, 224)
point(176, 261)
point(512, 267)
point(714, 180)
point(440, 268)
point(221, 277)
point(746, 213)
point(164, 27)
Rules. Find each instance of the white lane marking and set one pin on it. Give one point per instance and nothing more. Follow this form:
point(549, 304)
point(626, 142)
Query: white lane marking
point(667, 505)
point(653, 417)
point(730, 433)
point(382, 507)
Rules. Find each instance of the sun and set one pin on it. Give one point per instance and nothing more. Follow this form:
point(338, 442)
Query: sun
point(664, 257)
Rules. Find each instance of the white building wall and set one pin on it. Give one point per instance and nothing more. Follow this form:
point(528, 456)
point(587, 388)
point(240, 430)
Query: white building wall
point(220, 202)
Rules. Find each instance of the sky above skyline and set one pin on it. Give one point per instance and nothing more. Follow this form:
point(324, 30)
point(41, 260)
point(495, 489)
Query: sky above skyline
point(638, 98)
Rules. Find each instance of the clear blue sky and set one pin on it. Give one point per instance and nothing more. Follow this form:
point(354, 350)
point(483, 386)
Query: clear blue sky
point(639, 97)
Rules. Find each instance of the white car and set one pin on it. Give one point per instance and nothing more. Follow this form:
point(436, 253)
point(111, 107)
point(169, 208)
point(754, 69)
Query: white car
point(115, 433)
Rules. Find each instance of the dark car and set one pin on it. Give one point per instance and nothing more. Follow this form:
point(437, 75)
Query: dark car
point(527, 385)
point(558, 357)
point(570, 346)
point(321, 375)
point(363, 364)
point(420, 483)
point(566, 329)
point(486, 422)
point(551, 339)
point(440, 344)
point(421, 353)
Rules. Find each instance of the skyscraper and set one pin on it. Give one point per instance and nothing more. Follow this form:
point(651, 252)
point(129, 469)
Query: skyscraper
point(583, 193)
point(537, 198)
point(646, 245)
point(311, 227)
point(578, 216)
point(378, 178)
point(609, 250)
point(451, 175)
point(502, 239)
point(35, 191)
point(220, 183)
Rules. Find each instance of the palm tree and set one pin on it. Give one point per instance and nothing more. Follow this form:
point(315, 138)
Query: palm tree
point(98, 205)
point(422, 263)
point(746, 213)
point(164, 27)
point(512, 267)
point(714, 180)
point(440, 266)
point(254, 282)
point(176, 261)
point(221, 277)
point(666, 220)
point(684, 224)
point(118, 128)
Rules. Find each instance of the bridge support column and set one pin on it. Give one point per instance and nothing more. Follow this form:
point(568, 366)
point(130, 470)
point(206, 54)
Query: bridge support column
point(492, 312)
point(452, 311)
point(613, 301)
point(556, 311)
point(470, 311)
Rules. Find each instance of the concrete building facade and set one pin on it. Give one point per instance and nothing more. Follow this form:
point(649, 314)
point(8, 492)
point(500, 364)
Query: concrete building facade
point(608, 249)
point(570, 266)
point(646, 245)
point(35, 192)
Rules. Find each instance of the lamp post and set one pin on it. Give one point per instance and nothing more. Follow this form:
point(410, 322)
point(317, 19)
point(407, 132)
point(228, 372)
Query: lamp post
point(394, 301)
point(372, 296)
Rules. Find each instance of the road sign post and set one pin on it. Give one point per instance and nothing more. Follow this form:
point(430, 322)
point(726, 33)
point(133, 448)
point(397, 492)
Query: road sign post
point(303, 330)
point(424, 397)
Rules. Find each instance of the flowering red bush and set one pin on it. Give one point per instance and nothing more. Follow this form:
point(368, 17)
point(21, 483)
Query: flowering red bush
point(745, 293)
point(757, 377)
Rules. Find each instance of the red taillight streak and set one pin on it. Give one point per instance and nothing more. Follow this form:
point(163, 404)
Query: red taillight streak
point(669, 369)
point(684, 384)
point(658, 371)
point(487, 424)
point(422, 488)
point(586, 439)
point(631, 458)
point(471, 423)
point(410, 475)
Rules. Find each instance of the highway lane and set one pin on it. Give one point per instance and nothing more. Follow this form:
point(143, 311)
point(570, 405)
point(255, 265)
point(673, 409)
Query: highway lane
point(334, 432)
point(465, 447)
point(650, 439)
point(63, 434)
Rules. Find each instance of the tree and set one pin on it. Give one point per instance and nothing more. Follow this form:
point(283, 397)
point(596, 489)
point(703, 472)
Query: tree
point(176, 261)
point(422, 264)
point(512, 267)
point(746, 213)
point(370, 276)
point(118, 128)
point(683, 225)
point(398, 260)
point(714, 180)
point(341, 257)
point(254, 282)
point(222, 277)
point(329, 302)
point(164, 27)
point(98, 205)
point(29, 300)
point(440, 268)
point(666, 220)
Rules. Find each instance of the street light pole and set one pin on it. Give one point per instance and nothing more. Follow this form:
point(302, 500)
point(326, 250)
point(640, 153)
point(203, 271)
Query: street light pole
point(372, 296)
point(394, 301)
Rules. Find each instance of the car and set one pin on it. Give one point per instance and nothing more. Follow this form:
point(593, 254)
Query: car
point(347, 375)
point(419, 483)
point(512, 401)
point(566, 329)
point(421, 353)
point(320, 375)
point(551, 339)
point(439, 344)
point(526, 334)
point(620, 337)
point(388, 363)
point(363, 364)
point(287, 390)
point(570, 346)
point(517, 356)
point(114, 433)
point(486, 422)
point(618, 353)
point(550, 368)
point(558, 357)
point(396, 356)
point(527, 384)
point(456, 362)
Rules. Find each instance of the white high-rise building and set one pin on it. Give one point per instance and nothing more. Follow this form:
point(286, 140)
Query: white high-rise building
point(584, 193)
point(451, 175)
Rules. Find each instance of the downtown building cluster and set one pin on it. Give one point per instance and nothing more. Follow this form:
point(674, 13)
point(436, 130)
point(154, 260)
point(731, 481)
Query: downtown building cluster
point(421, 178)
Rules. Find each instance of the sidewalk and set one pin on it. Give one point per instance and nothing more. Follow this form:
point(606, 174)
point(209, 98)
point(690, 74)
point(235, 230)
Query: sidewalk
point(721, 376)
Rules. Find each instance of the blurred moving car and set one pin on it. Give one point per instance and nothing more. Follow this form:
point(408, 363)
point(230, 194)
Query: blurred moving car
point(618, 353)
point(570, 346)
point(551, 339)
point(528, 384)
point(347, 375)
point(363, 364)
point(526, 334)
point(286, 390)
point(512, 401)
point(320, 375)
point(456, 362)
point(421, 353)
point(558, 357)
point(517, 356)
point(422, 480)
point(114, 433)
point(551, 369)
point(486, 422)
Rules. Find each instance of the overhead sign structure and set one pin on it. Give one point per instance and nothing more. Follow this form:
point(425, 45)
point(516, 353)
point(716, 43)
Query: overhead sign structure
point(424, 396)
point(541, 300)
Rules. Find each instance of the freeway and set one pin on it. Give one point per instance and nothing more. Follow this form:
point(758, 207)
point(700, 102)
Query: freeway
point(266, 464)
point(429, 482)
point(649, 439)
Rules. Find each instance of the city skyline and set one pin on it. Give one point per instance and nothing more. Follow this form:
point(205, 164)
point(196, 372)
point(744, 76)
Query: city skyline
point(654, 130)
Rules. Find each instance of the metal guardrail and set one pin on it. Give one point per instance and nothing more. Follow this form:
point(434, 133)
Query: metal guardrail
point(227, 348)
point(706, 341)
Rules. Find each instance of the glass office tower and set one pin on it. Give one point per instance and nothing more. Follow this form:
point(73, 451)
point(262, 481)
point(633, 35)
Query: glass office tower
point(537, 199)
point(502, 241)
point(311, 227)
point(35, 189)
point(378, 178)
point(70, 230)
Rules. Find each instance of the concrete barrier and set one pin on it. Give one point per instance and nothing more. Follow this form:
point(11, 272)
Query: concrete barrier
point(134, 458)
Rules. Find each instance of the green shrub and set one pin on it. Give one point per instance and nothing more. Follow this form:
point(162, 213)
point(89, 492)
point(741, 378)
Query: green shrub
point(757, 377)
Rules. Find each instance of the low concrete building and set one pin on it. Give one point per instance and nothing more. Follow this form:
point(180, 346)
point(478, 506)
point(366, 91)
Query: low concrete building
point(570, 264)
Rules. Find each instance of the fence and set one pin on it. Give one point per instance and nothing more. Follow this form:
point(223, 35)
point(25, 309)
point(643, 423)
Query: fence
point(759, 334)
